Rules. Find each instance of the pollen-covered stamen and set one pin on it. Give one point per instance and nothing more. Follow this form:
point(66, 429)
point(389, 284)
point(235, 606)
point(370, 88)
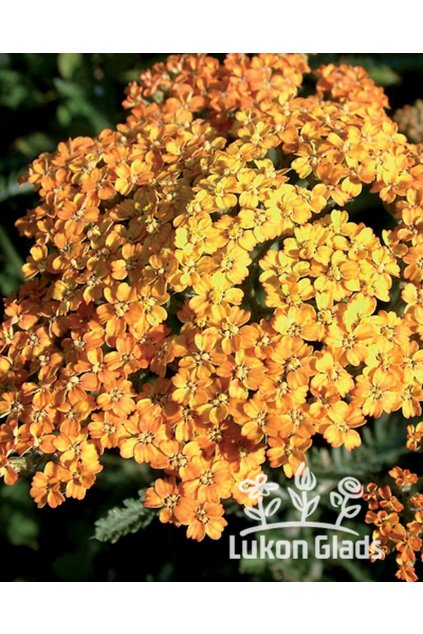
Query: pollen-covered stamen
point(201, 515)
point(207, 477)
point(121, 308)
point(171, 500)
point(146, 437)
point(178, 460)
point(116, 394)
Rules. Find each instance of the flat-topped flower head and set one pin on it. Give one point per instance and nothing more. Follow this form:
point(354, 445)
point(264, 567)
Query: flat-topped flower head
point(198, 298)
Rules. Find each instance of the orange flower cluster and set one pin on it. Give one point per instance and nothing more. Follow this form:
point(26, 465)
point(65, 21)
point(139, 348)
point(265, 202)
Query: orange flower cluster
point(197, 296)
point(398, 520)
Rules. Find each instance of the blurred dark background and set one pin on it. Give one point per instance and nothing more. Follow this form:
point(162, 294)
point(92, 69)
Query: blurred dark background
point(46, 98)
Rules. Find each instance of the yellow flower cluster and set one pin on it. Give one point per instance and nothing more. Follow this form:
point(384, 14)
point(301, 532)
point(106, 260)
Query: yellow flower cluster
point(197, 296)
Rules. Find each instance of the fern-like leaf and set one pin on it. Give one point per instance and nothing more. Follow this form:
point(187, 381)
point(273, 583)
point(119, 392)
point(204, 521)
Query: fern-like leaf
point(122, 520)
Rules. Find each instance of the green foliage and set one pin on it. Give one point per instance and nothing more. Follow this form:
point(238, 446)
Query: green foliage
point(68, 64)
point(120, 521)
point(11, 262)
point(18, 522)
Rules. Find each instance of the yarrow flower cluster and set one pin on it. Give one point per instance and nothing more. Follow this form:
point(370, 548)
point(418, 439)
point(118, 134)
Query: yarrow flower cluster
point(197, 297)
point(398, 520)
point(398, 516)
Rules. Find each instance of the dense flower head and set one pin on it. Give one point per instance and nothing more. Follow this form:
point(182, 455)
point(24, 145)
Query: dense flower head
point(197, 296)
point(396, 510)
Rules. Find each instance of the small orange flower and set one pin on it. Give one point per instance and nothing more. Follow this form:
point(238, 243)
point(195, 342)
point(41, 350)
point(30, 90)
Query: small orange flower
point(207, 479)
point(403, 477)
point(164, 495)
point(141, 438)
point(118, 398)
point(202, 518)
point(46, 486)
